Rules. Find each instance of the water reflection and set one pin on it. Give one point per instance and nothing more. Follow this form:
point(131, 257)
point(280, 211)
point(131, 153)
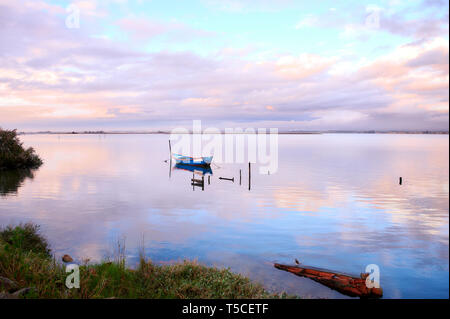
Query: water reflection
point(335, 202)
point(198, 174)
point(198, 170)
point(11, 180)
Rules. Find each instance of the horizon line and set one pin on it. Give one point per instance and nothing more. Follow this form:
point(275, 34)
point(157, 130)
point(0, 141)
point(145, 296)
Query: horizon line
point(86, 132)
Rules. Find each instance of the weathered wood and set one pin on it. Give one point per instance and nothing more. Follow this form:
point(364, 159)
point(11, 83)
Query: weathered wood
point(345, 284)
point(197, 184)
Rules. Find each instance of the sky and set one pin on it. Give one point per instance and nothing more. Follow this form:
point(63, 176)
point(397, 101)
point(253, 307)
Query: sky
point(146, 65)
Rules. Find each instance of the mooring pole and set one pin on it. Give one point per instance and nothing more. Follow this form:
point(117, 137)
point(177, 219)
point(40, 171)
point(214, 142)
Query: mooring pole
point(400, 181)
point(240, 177)
point(170, 160)
point(249, 175)
point(209, 179)
point(170, 167)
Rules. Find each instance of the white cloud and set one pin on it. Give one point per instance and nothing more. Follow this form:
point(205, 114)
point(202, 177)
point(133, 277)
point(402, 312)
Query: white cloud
point(309, 21)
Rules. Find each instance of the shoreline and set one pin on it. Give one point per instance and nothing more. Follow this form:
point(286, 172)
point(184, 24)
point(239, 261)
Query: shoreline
point(29, 270)
point(233, 133)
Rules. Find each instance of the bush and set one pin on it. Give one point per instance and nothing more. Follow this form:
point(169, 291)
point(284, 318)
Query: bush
point(25, 237)
point(12, 153)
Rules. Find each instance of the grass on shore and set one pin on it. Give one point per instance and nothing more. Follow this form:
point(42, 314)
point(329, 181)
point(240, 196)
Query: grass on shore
point(26, 260)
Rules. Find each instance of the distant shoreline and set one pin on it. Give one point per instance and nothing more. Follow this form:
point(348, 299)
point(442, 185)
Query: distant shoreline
point(281, 133)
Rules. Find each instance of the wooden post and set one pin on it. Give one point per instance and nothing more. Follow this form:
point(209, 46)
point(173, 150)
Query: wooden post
point(240, 177)
point(209, 179)
point(400, 181)
point(170, 160)
point(170, 167)
point(249, 175)
point(203, 182)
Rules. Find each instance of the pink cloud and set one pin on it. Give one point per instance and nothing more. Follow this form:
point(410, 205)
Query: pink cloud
point(50, 75)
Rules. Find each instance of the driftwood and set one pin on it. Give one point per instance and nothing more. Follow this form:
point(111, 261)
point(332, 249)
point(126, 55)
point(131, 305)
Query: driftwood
point(345, 284)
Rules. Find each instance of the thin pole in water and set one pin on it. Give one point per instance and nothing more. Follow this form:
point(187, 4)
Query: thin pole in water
point(249, 175)
point(240, 177)
point(400, 180)
point(170, 160)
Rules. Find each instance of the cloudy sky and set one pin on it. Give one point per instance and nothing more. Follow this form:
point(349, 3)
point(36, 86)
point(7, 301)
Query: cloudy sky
point(308, 65)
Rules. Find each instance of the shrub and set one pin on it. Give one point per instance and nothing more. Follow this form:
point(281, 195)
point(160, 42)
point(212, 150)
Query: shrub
point(25, 237)
point(12, 153)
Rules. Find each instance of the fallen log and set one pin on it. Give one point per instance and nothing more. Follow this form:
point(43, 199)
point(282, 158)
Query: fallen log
point(343, 283)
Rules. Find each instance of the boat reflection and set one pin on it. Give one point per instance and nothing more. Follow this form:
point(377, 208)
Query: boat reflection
point(201, 171)
point(198, 170)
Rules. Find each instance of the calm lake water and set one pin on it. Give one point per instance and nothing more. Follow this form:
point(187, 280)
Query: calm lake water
point(335, 202)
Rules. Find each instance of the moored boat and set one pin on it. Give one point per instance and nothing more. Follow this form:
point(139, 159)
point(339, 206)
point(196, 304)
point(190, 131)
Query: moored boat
point(194, 161)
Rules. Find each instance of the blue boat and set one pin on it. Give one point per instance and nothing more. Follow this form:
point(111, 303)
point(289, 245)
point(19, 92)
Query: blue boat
point(194, 161)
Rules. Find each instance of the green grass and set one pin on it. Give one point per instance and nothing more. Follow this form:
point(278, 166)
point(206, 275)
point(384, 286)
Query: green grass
point(25, 259)
point(25, 237)
point(12, 153)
